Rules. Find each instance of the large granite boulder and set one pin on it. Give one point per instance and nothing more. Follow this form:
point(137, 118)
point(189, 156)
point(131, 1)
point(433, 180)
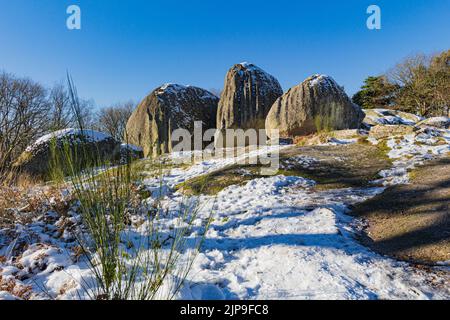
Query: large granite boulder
point(84, 148)
point(167, 108)
point(247, 97)
point(317, 104)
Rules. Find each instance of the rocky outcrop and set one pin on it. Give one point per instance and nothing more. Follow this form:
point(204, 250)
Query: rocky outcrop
point(337, 137)
point(248, 95)
point(436, 122)
point(53, 151)
point(129, 152)
point(387, 131)
point(167, 108)
point(375, 117)
point(317, 104)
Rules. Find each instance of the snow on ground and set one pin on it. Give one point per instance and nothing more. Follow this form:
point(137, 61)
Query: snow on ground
point(292, 162)
point(337, 142)
point(131, 147)
point(440, 122)
point(275, 239)
point(272, 238)
point(4, 295)
point(409, 151)
point(391, 117)
point(179, 175)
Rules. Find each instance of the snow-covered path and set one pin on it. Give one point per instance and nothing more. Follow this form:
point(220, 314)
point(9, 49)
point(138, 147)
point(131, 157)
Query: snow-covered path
point(273, 242)
point(276, 238)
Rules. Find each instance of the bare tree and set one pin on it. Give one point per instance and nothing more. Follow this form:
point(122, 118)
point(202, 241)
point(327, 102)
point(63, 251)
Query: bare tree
point(23, 116)
point(87, 114)
point(113, 120)
point(405, 72)
point(424, 84)
point(410, 76)
point(440, 82)
point(60, 113)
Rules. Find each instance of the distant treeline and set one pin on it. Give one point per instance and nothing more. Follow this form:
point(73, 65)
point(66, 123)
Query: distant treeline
point(419, 84)
point(29, 110)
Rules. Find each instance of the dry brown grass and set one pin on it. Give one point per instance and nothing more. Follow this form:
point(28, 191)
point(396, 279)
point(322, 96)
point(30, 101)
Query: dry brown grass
point(310, 140)
point(16, 178)
point(20, 204)
point(16, 289)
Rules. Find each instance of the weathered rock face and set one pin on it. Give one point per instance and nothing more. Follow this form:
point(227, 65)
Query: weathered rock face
point(86, 148)
point(317, 104)
point(248, 95)
point(167, 108)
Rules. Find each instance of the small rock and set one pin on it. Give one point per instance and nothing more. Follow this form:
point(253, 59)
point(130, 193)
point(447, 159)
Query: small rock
point(437, 122)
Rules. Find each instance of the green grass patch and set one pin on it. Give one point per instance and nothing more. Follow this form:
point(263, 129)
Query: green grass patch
point(383, 150)
point(213, 183)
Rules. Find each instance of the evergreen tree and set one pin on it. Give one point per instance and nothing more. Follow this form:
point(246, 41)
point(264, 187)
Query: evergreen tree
point(376, 92)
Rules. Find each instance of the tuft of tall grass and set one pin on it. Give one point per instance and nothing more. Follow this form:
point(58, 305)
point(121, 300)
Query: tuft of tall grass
point(323, 123)
point(128, 261)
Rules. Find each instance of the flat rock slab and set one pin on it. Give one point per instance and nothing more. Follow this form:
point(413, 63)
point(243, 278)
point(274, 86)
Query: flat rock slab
point(387, 131)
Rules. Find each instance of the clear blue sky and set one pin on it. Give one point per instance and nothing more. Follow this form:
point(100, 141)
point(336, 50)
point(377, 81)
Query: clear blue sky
point(127, 48)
